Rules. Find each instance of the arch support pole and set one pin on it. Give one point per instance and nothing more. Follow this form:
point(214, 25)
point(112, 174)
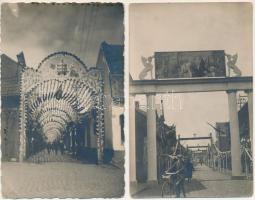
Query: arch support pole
point(235, 136)
point(151, 135)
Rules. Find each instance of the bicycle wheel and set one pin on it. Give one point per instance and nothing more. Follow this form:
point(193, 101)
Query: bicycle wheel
point(171, 190)
point(165, 189)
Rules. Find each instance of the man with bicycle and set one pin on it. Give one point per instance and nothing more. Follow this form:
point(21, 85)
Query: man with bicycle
point(175, 176)
point(180, 176)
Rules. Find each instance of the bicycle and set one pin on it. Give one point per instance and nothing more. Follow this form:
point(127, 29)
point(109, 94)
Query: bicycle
point(168, 186)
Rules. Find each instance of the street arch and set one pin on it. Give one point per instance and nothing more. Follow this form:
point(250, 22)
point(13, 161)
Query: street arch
point(152, 87)
point(61, 91)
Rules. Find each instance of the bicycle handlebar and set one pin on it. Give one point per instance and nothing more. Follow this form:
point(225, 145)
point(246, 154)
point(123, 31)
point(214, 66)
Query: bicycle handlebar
point(171, 173)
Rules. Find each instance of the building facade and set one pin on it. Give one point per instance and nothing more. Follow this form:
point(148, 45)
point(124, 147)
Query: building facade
point(111, 61)
point(10, 97)
point(223, 136)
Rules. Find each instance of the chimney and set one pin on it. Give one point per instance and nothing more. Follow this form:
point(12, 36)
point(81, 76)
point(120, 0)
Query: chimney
point(21, 59)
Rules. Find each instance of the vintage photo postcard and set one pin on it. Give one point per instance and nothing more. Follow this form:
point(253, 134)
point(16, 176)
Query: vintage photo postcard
point(190, 100)
point(62, 94)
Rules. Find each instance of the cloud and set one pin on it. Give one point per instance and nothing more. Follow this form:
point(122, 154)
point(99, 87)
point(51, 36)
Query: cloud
point(48, 28)
point(14, 9)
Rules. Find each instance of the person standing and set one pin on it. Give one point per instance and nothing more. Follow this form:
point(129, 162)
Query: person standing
point(180, 177)
point(201, 161)
point(189, 170)
point(61, 145)
point(56, 148)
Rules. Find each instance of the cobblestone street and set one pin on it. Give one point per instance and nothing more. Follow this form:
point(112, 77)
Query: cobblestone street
point(62, 180)
point(207, 183)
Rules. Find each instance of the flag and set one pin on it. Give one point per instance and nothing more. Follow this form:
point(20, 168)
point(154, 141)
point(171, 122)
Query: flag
point(21, 59)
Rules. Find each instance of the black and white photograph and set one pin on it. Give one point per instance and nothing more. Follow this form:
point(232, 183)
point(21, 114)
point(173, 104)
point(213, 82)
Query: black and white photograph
point(126, 99)
point(62, 100)
point(190, 100)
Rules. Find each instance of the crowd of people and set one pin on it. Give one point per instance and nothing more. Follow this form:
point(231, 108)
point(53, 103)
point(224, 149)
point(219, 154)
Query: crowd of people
point(49, 152)
point(55, 147)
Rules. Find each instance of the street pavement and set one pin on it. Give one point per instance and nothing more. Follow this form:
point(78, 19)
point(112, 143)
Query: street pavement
point(206, 183)
point(61, 180)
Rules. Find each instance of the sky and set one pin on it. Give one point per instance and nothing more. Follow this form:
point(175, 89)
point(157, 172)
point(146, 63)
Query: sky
point(191, 27)
point(41, 29)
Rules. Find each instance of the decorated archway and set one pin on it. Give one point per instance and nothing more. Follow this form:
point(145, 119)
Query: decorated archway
point(54, 98)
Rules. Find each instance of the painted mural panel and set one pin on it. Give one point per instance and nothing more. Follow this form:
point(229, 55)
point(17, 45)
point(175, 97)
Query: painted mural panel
point(190, 64)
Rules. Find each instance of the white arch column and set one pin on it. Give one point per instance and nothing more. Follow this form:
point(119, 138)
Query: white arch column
point(151, 138)
point(132, 139)
point(22, 127)
point(250, 111)
point(235, 136)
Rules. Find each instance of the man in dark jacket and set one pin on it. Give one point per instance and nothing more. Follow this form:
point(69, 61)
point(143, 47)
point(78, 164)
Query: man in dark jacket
point(189, 170)
point(180, 177)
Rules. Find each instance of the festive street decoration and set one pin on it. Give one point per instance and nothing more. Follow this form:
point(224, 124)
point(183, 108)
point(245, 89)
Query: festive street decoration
point(58, 92)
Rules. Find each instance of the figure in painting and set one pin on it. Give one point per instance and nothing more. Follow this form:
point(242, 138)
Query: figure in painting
point(202, 71)
point(199, 67)
point(147, 63)
point(185, 71)
point(232, 64)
